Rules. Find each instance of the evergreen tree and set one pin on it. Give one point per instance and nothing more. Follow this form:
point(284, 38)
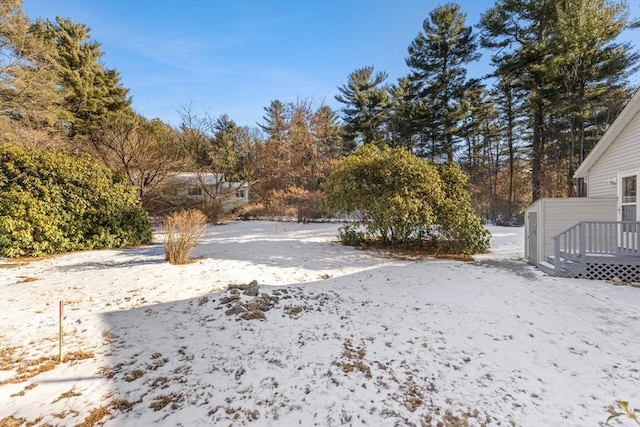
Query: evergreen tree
point(366, 108)
point(508, 100)
point(223, 156)
point(274, 155)
point(402, 125)
point(328, 133)
point(438, 58)
point(520, 31)
point(590, 66)
point(28, 95)
point(563, 54)
point(90, 90)
point(275, 121)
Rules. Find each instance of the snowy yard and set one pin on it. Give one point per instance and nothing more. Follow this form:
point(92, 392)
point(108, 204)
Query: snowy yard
point(349, 338)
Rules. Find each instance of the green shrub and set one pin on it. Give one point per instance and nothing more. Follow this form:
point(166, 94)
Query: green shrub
point(52, 203)
point(463, 230)
point(349, 235)
point(403, 199)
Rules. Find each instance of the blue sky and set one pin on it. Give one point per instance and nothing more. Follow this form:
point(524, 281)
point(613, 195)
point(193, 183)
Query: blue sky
point(236, 56)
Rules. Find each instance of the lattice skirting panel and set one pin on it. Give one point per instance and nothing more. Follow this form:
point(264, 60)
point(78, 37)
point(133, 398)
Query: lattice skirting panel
point(628, 271)
point(603, 268)
point(572, 269)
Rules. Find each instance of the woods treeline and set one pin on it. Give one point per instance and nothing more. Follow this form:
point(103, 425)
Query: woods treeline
point(559, 78)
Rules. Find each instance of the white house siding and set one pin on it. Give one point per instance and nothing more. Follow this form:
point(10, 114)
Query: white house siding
point(623, 155)
point(557, 215)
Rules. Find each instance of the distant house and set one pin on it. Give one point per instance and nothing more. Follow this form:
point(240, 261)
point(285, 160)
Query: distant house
point(189, 188)
point(596, 236)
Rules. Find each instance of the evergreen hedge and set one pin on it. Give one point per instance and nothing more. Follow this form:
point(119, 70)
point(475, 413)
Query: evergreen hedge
point(53, 203)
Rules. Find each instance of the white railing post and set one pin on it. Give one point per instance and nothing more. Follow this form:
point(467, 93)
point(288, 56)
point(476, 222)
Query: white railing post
point(582, 240)
point(556, 254)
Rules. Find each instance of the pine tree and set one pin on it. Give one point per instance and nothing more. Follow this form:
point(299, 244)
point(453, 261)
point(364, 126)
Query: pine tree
point(28, 95)
point(223, 156)
point(275, 121)
point(91, 91)
point(402, 124)
point(590, 66)
point(562, 53)
point(328, 133)
point(366, 108)
point(438, 58)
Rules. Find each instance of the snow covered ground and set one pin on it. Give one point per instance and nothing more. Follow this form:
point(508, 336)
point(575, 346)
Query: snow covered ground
point(345, 337)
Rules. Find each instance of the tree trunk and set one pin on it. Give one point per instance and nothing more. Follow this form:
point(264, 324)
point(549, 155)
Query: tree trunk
point(537, 150)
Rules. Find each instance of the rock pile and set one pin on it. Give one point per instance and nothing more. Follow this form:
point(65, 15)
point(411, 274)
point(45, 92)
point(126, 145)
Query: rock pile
point(246, 301)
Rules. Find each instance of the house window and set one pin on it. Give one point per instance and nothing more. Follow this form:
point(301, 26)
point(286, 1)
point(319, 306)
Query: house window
point(240, 193)
point(629, 202)
point(194, 191)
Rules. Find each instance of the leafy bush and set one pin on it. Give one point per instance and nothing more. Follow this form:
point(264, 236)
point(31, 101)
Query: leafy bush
point(53, 203)
point(349, 235)
point(403, 199)
point(463, 230)
point(182, 230)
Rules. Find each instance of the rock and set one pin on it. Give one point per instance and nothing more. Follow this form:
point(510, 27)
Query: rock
point(252, 305)
point(253, 289)
point(228, 300)
point(236, 309)
point(231, 286)
point(253, 315)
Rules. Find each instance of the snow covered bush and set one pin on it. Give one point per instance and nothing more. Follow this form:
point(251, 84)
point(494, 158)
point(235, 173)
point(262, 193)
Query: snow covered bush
point(403, 199)
point(53, 203)
point(182, 230)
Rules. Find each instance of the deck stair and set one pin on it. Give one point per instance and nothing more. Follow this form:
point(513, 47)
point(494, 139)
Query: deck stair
point(601, 250)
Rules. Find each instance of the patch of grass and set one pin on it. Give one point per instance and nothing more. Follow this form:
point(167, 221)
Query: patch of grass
point(357, 365)
point(7, 358)
point(123, 405)
point(159, 402)
point(95, 416)
point(10, 421)
point(160, 382)
point(252, 414)
point(24, 390)
point(67, 395)
point(133, 375)
point(108, 337)
point(77, 356)
point(354, 359)
point(294, 311)
point(106, 372)
point(413, 398)
point(30, 369)
point(64, 414)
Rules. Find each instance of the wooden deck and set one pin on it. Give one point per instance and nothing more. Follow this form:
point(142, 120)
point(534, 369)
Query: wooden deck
point(601, 250)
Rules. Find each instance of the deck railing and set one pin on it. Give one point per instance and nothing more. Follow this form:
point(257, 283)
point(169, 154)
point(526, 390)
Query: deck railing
point(607, 238)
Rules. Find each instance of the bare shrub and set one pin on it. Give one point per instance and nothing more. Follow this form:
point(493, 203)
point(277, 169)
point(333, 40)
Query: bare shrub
point(182, 230)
